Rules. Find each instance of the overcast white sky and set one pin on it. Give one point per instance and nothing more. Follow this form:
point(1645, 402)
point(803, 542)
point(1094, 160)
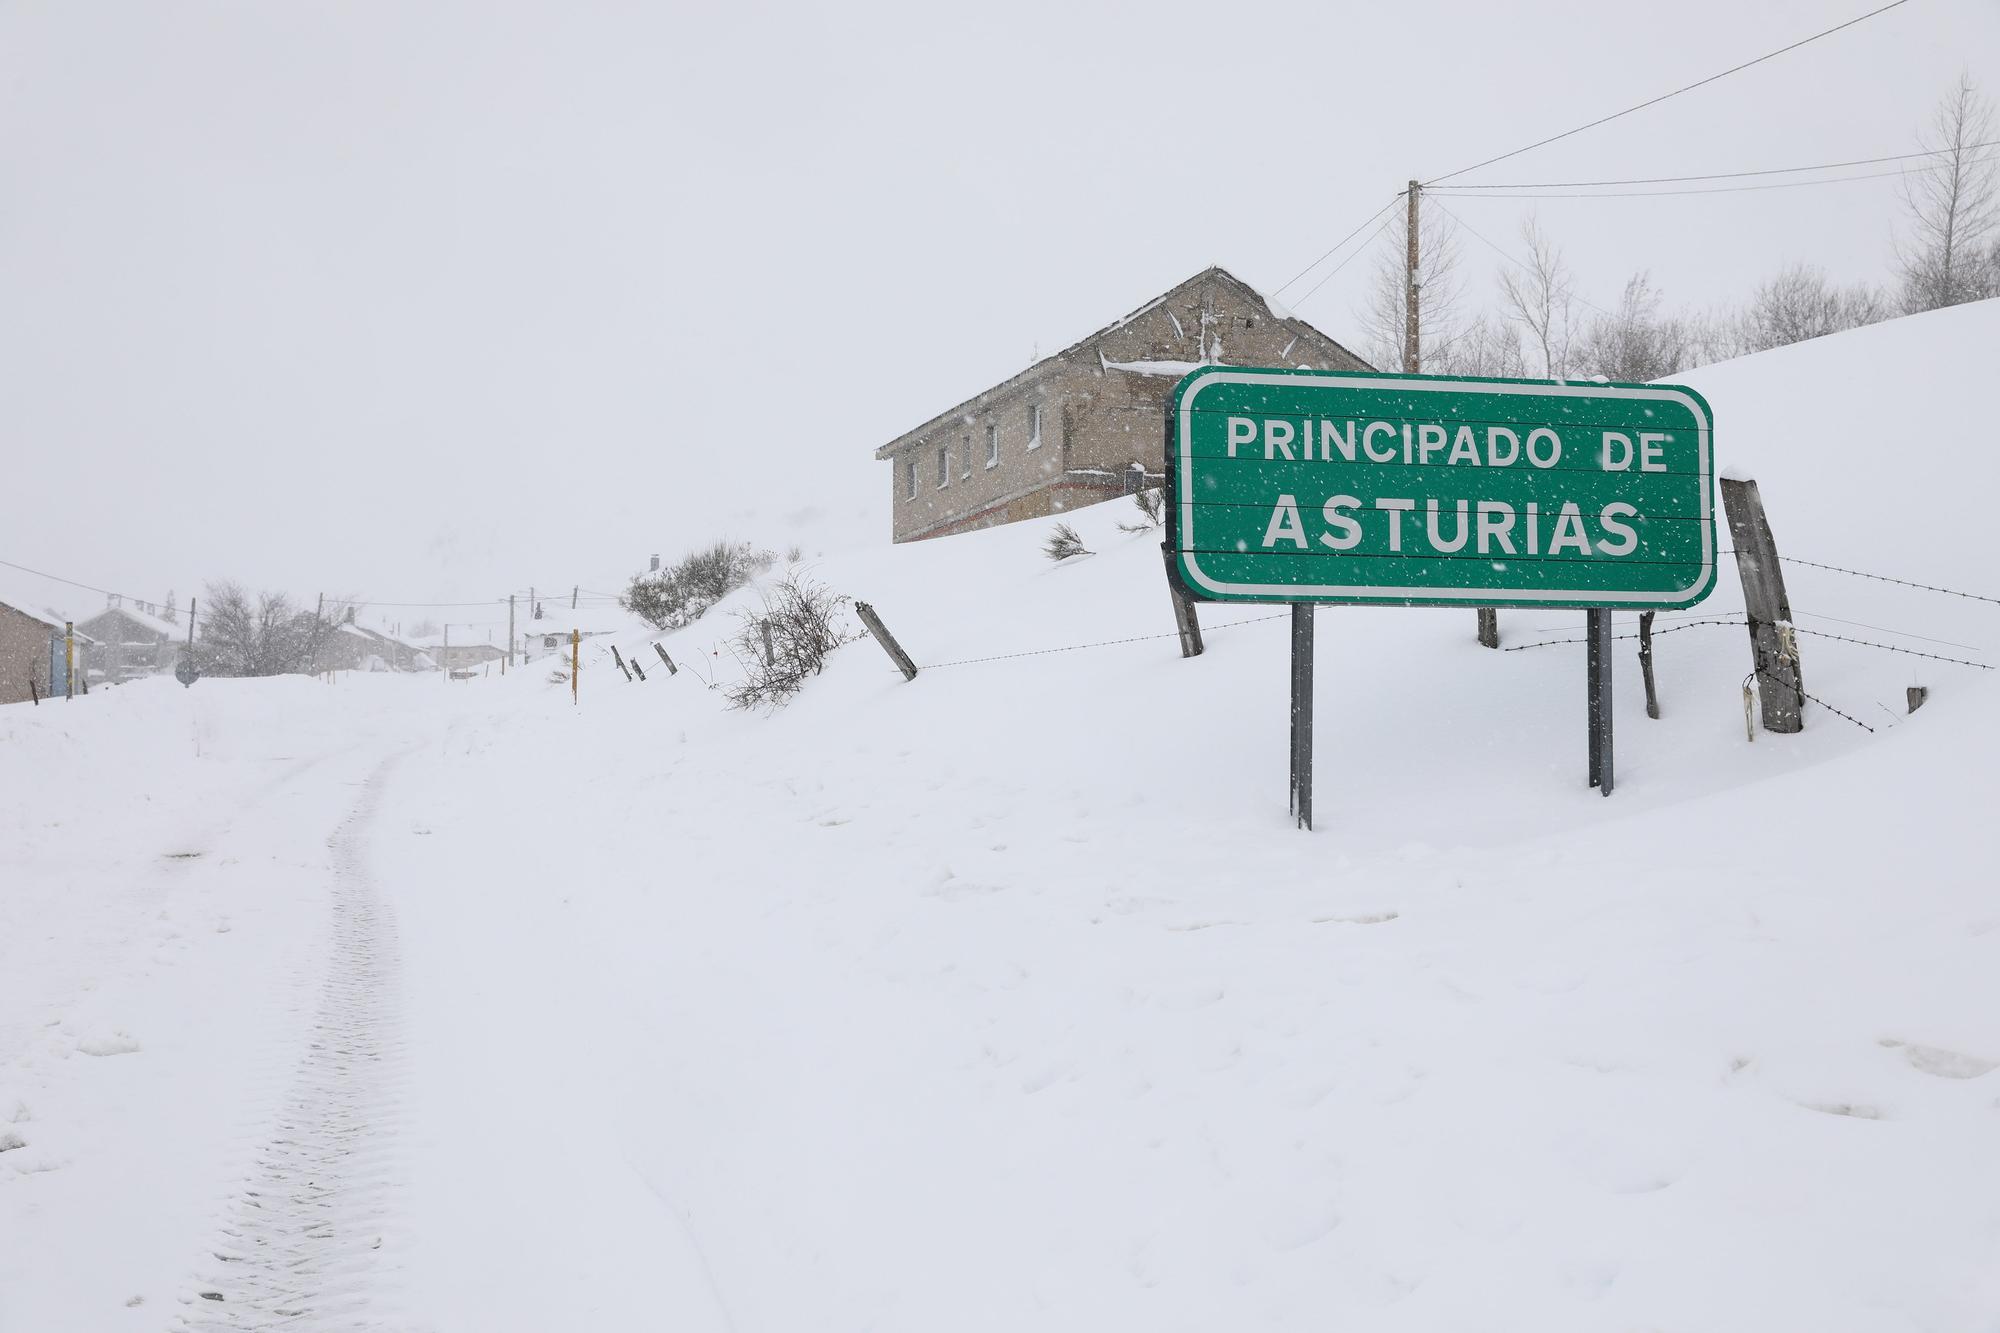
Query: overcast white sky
point(434, 300)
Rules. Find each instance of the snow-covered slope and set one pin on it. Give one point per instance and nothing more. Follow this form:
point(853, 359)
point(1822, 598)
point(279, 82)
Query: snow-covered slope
point(1008, 998)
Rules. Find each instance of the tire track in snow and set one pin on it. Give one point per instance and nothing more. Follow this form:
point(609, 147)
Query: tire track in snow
point(311, 1236)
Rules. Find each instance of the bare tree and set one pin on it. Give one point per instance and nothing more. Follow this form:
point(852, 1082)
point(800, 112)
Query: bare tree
point(1384, 317)
point(1800, 303)
point(264, 636)
point(1481, 345)
point(1635, 342)
point(1949, 253)
point(1541, 298)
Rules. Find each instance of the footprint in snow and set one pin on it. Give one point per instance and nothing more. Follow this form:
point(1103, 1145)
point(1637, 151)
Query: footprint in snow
point(1939, 1062)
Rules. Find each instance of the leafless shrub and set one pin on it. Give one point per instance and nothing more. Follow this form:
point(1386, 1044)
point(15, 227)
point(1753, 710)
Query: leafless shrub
point(1064, 543)
point(1152, 508)
point(786, 643)
point(683, 592)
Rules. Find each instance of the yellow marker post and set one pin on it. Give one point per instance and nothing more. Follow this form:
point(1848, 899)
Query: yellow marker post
point(575, 661)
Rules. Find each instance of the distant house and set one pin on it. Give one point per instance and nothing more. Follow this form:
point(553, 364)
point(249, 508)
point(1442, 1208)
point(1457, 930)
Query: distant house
point(136, 640)
point(549, 633)
point(1088, 423)
point(348, 647)
point(398, 653)
point(460, 656)
point(32, 653)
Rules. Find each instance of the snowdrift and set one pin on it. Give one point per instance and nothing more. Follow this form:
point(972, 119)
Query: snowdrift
point(1008, 998)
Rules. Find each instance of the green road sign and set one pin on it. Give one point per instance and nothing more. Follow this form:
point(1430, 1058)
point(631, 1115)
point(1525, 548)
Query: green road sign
point(1424, 490)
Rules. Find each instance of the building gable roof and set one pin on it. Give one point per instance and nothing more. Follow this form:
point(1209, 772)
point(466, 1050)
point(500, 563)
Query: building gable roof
point(150, 623)
point(1214, 272)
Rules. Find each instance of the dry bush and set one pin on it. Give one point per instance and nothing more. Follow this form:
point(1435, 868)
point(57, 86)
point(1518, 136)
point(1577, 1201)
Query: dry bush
point(1064, 543)
point(786, 643)
point(1152, 506)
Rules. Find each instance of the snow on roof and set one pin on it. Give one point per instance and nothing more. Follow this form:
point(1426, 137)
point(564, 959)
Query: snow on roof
point(144, 619)
point(23, 596)
point(560, 619)
point(1170, 369)
point(1213, 272)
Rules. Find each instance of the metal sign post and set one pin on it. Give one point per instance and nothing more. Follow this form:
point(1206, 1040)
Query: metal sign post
point(1597, 671)
point(1302, 714)
point(1310, 487)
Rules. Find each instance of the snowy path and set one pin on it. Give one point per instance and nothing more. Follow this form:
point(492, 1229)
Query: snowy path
point(313, 1230)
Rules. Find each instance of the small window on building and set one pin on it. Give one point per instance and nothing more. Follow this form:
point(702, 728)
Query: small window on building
point(944, 466)
point(910, 477)
point(1034, 425)
point(992, 444)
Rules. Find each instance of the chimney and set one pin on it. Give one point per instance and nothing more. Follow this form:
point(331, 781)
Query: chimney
point(656, 564)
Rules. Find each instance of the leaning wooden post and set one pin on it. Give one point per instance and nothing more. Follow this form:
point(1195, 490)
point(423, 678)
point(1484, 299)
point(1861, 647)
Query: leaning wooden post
point(575, 662)
point(1646, 663)
point(1185, 619)
point(638, 670)
point(621, 663)
point(1773, 655)
point(672, 670)
point(888, 641)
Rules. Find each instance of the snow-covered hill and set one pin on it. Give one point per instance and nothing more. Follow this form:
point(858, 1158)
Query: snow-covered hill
point(1008, 998)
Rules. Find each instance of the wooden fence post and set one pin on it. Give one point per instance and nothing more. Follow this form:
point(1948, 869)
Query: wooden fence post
point(1185, 619)
point(641, 671)
point(1646, 663)
point(886, 639)
point(1489, 627)
point(672, 670)
point(620, 660)
point(1917, 695)
point(1773, 653)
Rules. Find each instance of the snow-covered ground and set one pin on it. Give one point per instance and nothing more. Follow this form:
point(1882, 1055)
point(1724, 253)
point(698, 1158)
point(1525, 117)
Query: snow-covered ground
point(1009, 999)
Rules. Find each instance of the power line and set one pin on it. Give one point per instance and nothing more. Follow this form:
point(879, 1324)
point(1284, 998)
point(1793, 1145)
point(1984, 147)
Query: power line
point(1345, 262)
point(1508, 256)
point(1655, 101)
point(1717, 189)
point(1337, 244)
point(1727, 175)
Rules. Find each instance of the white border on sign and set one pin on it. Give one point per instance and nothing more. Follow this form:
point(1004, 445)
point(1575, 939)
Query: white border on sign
point(1480, 596)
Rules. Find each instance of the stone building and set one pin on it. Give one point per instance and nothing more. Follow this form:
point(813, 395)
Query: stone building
point(32, 659)
point(137, 638)
point(1087, 424)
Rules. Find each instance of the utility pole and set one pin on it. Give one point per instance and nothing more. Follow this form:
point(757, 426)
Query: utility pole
point(510, 629)
point(572, 596)
point(1412, 349)
point(1489, 618)
point(69, 660)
